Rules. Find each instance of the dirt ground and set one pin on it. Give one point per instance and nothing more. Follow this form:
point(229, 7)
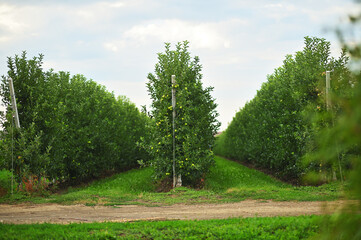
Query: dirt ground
point(54, 213)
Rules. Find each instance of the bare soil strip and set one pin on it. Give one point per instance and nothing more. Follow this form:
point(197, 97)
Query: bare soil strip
point(55, 213)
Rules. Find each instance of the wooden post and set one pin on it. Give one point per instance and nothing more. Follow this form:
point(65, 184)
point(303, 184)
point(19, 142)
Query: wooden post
point(173, 107)
point(13, 103)
point(329, 108)
point(328, 87)
point(17, 124)
point(177, 179)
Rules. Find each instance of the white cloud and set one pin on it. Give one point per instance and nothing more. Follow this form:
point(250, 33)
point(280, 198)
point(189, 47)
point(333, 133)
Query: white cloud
point(328, 15)
point(8, 19)
point(114, 46)
point(18, 23)
point(274, 5)
point(210, 35)
point(278, 11)
point(117, 4)
point(11, 22)
point(4, 39)
point(99, 15)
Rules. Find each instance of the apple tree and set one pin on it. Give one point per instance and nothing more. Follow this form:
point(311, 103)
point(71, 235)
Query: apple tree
point(195, 120)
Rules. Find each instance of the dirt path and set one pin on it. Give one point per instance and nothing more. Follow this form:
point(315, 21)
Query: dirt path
point(54, 213)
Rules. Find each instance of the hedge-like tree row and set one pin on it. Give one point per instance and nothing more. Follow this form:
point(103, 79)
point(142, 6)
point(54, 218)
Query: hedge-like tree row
point(71, 128)
point(195, 121)
point(272, 130)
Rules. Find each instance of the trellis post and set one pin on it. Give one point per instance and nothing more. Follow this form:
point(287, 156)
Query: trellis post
point(17, 124)
point(13, 103)
point(329, 108)
point(328, 87)
point(177, 180)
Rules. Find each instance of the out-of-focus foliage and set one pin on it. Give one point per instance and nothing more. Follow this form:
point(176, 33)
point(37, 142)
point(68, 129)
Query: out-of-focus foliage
point(272, 130)
point(195, 122)
point(5, 182)
point(71, 128)
point(346, 135)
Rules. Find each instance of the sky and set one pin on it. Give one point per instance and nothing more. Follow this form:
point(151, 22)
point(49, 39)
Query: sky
point(115, 43)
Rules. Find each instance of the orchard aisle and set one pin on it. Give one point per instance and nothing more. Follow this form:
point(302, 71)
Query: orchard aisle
point(54, 213)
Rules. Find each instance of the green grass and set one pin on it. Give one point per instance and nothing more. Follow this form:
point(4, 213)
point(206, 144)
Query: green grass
point(301, 227)
point(233, 180)
point(228, 181)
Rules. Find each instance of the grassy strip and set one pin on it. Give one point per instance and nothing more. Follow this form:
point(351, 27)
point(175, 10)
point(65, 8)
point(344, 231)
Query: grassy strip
point(233, 180)
point(227, 182)
point(238, 228)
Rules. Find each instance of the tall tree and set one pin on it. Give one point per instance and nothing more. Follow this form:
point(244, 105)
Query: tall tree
point(195, 121)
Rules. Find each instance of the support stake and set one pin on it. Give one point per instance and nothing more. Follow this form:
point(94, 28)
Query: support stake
point(17, 124)
point(173, 107)
point(177, 180)
point(329, 108)
point(328, 87)
point(13, 103)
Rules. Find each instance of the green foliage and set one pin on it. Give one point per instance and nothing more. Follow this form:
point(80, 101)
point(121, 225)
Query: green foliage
point(195, 122)
point(25, 151)
point(28, 79)
point(220, 146)
point(5, 181)
point(72, 128)
point(345, 137)
point(271, 131)
point(248, 228)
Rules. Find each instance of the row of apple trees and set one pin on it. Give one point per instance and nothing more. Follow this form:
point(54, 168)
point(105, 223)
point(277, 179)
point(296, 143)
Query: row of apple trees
point(72, 128)
point(277, 129)
point(195, 121)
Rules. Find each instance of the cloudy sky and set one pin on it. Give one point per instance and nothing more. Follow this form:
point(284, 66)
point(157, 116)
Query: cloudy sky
point(115, 43)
